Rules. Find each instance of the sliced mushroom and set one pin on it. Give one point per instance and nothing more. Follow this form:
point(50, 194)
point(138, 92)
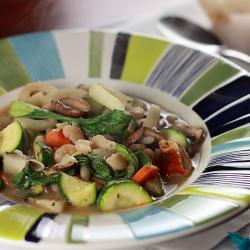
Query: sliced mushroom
point(59, 107)
point(77, 103)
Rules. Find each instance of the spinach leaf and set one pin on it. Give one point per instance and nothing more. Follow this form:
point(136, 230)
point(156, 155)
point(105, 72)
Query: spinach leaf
point(143, 159)
point(115, 122)
point(97, 165)
point(100, 168)
point(29, 177)
point(130, 157)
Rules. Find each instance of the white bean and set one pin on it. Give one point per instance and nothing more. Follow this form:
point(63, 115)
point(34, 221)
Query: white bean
point(73, 132)
point(84, 146)
point(117, 162)
point(63, 150)
point(101, 142)
point(102, 152)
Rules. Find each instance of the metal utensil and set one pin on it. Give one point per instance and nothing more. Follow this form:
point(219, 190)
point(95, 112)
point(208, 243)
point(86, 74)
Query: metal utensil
point(190, 33)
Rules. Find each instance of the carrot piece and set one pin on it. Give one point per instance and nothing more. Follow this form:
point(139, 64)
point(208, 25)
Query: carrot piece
point(55, 139)
point(145, 173)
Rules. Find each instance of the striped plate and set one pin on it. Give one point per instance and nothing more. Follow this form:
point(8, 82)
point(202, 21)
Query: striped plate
point(185, 81)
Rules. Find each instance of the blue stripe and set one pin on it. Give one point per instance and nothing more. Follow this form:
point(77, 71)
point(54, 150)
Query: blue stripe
point(154, 221)
point(38, 53)
point(230, 114)
point(230, 146)
point(229, 126)
point(223, 96)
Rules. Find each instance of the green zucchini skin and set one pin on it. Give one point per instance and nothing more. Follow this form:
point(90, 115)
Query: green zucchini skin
point(78, 193)
point(121, 194)
point(177, 135)
point(12, 138)
point(43, 153)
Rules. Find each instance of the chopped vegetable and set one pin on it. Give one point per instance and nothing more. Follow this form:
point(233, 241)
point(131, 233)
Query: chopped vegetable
point(175, 160)
point(89, 140)
point(122, 194)
point(142, 158)
point(56, 139)
point(43, 153)
point(147, 172)
point(36, 125)
point(177, 135)
point(13, 163)
point(152, 117)
point(132, 160)
point(97, 166)
point(103, 96)
point(154, 186)
point(28, 178)
point(100, 168)
point(96, 107)
point(75, 191)
point(11, 138)
point(115, 122)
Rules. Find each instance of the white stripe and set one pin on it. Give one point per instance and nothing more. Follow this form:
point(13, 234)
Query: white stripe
point(107, 53)
point(107, 227)
point(73, 47)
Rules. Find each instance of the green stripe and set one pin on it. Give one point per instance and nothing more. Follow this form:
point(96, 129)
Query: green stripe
point(215, 76)
point(2, 90)
point(142, 54)
point(79, 221)
point(16, 221)
point(235, 194)
point(12, 72)
point(232, 135)
point(95, 54)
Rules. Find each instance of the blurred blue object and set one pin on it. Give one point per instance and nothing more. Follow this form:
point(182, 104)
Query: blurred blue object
point(243, 243)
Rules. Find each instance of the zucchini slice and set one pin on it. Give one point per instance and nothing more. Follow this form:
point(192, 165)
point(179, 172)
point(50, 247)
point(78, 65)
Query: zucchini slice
point(76, 192)
point(11, 138)
point(177, 135)
point(43, 153)
point(120, 194)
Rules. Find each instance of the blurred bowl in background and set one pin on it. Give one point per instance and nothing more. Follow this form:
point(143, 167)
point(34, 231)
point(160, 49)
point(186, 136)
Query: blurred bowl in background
point(231, 22)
